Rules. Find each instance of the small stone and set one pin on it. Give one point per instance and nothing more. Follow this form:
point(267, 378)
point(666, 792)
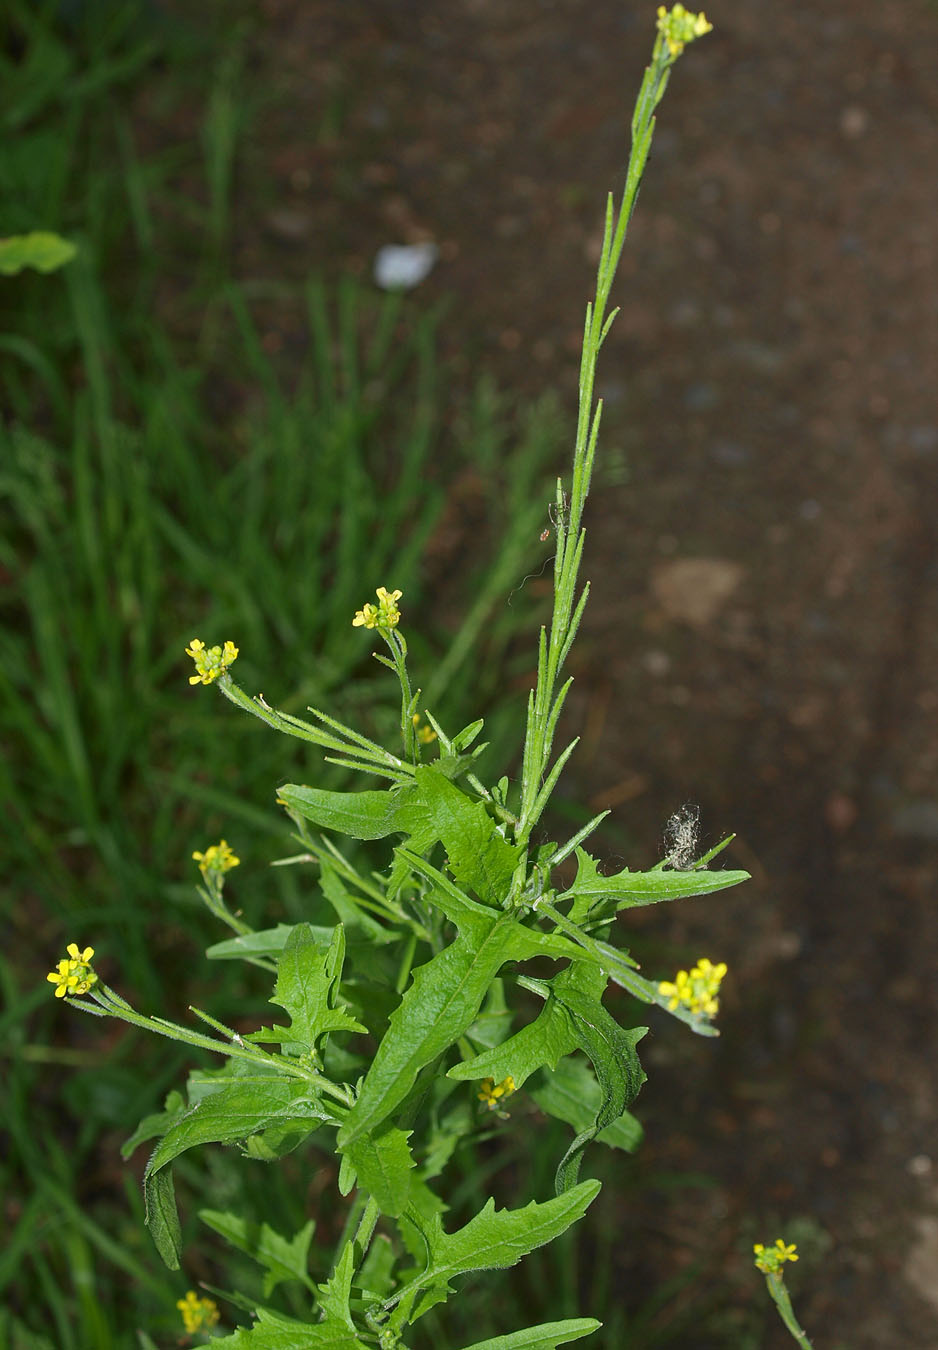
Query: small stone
point(403, 266)
point(694, 590)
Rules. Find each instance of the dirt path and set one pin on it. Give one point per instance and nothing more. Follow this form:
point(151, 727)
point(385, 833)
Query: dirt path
point(761, 638)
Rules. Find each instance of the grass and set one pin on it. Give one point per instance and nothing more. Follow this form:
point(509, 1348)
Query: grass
point(157, 481)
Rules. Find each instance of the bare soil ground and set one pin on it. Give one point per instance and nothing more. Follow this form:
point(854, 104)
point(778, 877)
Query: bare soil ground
point(762, 544)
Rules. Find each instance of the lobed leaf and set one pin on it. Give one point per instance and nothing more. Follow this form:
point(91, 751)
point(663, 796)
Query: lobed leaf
point(544, 1041)
point(494, 1239)
point(627, 889)
point(283, 1258)
point(272, 1331)
point(308, 975)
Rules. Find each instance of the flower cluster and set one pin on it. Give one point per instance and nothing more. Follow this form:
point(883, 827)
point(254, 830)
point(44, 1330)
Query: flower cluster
point(385, 614)
point(197, 1313)
point(771, 1259)
point(491, 1092)
point(679, 26)
point(210, 662)
point(217, 859)
point(696, 989)
point(73, 976)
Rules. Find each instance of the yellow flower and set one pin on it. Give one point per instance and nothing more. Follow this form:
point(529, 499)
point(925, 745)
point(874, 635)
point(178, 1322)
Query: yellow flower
point(678, 26)
point(73, 976)
point(383, 615)
point(424, 734)
point(210, 662)
point(771, 1259)
point(490, 1092)
point(197, 1313)
point(696, 989)
point(217, 859)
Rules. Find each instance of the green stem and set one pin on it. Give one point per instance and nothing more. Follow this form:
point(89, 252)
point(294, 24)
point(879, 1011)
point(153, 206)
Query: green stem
point(115, 1006)
point(544, 703)
point(775, 1283)
point(366, 1226)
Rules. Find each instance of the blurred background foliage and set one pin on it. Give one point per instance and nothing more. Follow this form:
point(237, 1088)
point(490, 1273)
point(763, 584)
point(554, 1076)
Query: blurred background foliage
point(163, 475)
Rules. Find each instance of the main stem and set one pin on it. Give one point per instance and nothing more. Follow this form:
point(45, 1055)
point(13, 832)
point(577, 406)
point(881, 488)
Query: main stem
point(545, 702)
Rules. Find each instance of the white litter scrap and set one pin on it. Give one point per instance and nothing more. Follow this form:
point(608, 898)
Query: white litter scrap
point(400, 267)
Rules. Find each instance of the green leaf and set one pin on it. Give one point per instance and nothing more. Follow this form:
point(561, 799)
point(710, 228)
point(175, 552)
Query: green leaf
point(494, 1239)
point(307, 986)
point(283, 1258)
point(383, 1162)
point(627, 889)
point(272, 1331)
point(571, 1094)
point(480, 857)
point(493, 1024)
point(333, 1297)
point(547, 1336)
point(609, 1046)
point(40, 250)
point(244, 1108)
point(359, 815)
point(265, 942)
point(444, 997)
point(430, 809)
point(348, 910)
point(174, 1108)
point(544, 1041)
point(162, 1218)
point(442, 1000)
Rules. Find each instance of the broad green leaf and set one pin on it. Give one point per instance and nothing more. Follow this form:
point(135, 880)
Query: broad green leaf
point(283, 1258)
point(383, 1162)
point(494, 1239)
point(41, 250)
point(265, 942)
point(359, 815)
point(544, 1041)
point(162, 1218)
point(277, 1141)
point(307, 986)
point(444, 997)
point(427, 810)
point(480, 857)
point(571, 1094)
point(547, 1336)
point(627, 889)
point(442, 1000)
point(275, 1332)
point(244, 1108)
point(174, 1108)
